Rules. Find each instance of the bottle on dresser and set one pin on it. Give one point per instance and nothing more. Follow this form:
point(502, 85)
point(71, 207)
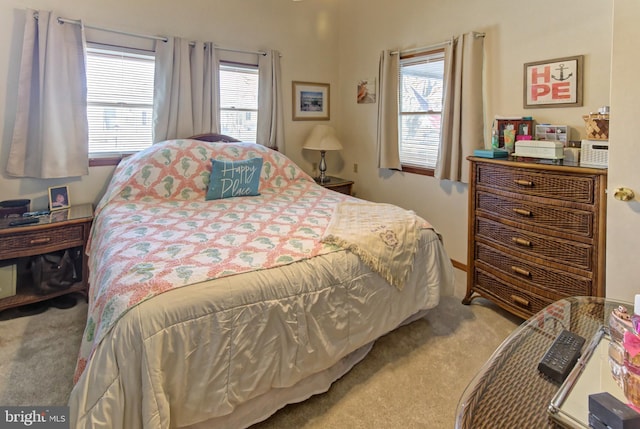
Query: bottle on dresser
point(619, 323)
point(631, 343)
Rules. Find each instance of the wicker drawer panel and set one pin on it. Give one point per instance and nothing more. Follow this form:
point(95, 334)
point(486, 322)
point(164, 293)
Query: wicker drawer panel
point(69, 236)
point(560, 187)
point(538, 215)
point(554, 281)
point(536, 245)
point(509, 295)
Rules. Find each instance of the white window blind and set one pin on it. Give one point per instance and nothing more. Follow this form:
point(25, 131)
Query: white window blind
point(119, 100)
point(421, 90)
point(239, 101)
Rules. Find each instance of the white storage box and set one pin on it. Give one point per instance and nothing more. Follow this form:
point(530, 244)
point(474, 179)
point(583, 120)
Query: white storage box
point(559, 133)
point(547, 149)
point(594, 153)
point(8, 277)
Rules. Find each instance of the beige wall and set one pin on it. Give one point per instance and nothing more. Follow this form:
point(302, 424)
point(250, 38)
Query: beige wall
point(339, 41)
point(517, 32)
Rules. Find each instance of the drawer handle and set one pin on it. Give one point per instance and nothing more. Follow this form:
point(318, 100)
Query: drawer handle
point(521, 241)
point(524, 183)
point(523, 212)
point(40, 240)
point(521, 271)
point(520, 301)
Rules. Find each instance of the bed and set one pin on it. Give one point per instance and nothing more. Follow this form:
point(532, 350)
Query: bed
point(210, 309)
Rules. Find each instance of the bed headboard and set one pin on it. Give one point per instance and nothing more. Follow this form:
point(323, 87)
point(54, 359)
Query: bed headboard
point(211, 137)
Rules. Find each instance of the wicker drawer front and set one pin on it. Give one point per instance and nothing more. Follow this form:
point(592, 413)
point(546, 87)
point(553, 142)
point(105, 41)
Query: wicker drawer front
point(538, 215)
point(557, 282)
point(563, 252)
point(530, 182)
point(68, 236)
point(509, 295)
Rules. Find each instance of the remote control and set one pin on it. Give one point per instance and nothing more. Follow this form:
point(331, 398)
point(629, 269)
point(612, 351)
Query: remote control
point(562, 356)
point(25, 221)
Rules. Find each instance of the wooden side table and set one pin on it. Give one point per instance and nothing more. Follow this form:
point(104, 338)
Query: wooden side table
point(339, 185)
point(60, 230)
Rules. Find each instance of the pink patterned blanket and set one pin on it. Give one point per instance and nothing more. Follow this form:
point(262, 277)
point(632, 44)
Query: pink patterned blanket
point(154, 231)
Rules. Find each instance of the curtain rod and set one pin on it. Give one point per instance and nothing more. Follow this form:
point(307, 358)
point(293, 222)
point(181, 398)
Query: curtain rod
point(423, 48)
point(426, 48)
point(145, 36)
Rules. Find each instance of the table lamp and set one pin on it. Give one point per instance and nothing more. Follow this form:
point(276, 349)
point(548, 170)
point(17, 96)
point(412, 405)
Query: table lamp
point(322, 138)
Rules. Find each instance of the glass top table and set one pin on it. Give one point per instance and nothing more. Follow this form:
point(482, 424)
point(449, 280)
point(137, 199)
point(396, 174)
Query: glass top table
point(570, 406)
point(510, 392)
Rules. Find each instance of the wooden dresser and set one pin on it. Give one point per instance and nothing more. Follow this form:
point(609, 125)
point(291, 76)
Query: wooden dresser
point(536, 233)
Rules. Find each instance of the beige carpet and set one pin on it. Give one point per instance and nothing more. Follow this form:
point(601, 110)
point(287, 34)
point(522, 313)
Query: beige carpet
point(412, 378)
point(37, 355)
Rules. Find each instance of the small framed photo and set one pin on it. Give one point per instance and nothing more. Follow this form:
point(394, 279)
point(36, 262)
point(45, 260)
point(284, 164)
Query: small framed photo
point(310, 101)
point(59, 198)
point(553, 83)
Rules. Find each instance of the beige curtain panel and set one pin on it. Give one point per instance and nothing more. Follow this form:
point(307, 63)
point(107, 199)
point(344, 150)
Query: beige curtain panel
point(186, 96)
point(387, 136)
point(270, 119)
point(463, 118)
point(51, 131)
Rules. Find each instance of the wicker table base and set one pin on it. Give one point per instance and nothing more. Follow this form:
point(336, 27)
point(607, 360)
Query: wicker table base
point(509, 391)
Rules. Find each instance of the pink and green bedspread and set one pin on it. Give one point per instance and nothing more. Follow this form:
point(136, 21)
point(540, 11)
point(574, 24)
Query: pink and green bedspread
point(154, 231)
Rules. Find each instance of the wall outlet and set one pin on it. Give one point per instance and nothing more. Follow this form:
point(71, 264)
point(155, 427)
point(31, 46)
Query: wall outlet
point(314, 166)
point(355, 168)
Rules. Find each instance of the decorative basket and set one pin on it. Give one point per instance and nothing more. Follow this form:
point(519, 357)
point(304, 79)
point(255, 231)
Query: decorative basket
point(597, 126)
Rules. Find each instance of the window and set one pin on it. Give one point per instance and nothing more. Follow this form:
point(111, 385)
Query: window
point(119, 101)
point(239, 101)
point(420, 109)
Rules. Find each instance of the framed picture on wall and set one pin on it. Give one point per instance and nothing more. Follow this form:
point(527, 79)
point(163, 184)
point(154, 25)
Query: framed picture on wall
point(59, 198)
point(553, 83)
point(366, 90)
point(310, 101)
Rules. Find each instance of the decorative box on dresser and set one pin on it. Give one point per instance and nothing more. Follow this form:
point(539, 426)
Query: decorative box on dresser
point(536, 233)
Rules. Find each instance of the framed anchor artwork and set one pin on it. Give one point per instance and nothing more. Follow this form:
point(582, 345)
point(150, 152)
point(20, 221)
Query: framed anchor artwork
point(553, 83)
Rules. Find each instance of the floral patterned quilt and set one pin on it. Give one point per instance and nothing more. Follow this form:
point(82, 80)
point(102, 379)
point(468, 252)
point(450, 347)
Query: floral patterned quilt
point(154, 231)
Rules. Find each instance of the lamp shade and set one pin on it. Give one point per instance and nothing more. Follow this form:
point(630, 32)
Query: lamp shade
point(322, 137)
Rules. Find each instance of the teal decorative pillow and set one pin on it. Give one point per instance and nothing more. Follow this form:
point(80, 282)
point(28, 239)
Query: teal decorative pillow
point(234, 178)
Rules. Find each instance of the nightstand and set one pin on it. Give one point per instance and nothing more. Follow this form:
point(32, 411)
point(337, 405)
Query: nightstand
point(60, 230)
point(337, 184)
